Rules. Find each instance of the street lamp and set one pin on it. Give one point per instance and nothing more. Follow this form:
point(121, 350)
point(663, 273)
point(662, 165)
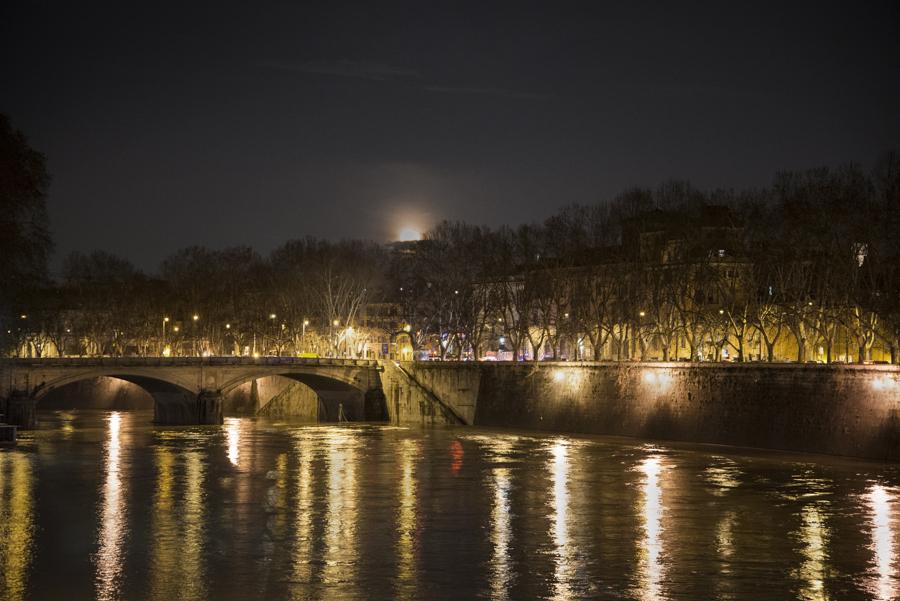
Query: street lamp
point(303, 336)
point(194, 344)
point(162, 346)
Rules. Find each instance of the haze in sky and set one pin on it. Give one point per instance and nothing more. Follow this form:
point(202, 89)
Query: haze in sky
point(167, 125)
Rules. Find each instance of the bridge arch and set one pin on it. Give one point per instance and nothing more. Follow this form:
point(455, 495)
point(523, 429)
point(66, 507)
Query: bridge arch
point(335, 389)
point(174, 400)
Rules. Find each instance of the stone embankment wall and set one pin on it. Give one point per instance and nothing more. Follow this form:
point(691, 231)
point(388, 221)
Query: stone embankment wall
point(841, 410)
point(418, 393)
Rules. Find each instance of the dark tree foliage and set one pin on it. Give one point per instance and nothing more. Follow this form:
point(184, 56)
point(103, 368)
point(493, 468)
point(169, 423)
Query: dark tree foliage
point(25, 242)
point(807, 269)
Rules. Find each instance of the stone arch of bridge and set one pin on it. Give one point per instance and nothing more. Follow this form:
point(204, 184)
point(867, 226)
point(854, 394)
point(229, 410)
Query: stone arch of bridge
point(174, 400)
point(315, 380)
point(329, 386)
point(151, 380)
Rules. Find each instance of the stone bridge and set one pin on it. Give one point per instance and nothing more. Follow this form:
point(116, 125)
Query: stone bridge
point(185, 390)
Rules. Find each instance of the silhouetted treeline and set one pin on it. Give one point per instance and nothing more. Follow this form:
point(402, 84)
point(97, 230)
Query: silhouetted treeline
point(806, 269)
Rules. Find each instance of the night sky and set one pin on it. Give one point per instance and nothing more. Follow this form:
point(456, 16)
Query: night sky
point(238, 123)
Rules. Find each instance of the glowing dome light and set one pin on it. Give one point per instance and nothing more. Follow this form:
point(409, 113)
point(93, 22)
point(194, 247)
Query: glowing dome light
point(408, 233)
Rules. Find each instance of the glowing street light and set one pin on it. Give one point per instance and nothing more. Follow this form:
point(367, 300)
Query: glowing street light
point(336, 323)
point(272, 316)
point(227, 326)
point(196, 317)
point(163, 347)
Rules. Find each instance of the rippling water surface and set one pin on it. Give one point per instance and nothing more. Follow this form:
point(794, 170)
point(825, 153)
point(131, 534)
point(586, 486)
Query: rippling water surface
point(104, 505)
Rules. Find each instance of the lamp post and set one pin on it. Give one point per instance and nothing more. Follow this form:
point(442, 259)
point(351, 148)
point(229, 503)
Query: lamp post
point(640, 336)
point(162, 346)
point(272, 317)
point(196, 347)
point(335, 323)
point(303, 336)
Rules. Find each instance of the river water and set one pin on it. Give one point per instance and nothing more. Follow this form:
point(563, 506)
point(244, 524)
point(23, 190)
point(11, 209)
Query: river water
point(104, 505)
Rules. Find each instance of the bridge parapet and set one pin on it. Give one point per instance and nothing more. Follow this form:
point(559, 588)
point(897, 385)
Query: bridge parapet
point(186, 362)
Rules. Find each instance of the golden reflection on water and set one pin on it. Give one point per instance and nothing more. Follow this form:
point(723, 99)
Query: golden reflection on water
point(723, 475)
point(500, 535)
point(178, 525)
point(884, 585)
point(406, 519)
point(66, 424)
point(193, 515)
point(564, 568)
point(303, 535)
point(342, 509)
point(113, 513)
point(233, 439)
point(276, 499)
point(16, 524)
point(725, 537)
point(651, 509)
point(813, 535)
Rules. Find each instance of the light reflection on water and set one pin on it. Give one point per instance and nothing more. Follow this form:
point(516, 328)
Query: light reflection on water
point(884, 581)
point(233, 436)
point(301, 569)
point(500, 535)
point(406, 519)
point(113, 513)
point(255, 509)
point(813, 570)
point(179, 519)
point(341, 515)
point(564, 562)
point(651, 509)
point(16, 524)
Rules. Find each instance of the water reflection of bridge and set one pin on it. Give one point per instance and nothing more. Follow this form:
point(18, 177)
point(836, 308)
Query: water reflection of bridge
point(185, 390)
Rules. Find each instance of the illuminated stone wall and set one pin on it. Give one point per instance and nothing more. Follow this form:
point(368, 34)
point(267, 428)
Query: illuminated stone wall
point(843, 410)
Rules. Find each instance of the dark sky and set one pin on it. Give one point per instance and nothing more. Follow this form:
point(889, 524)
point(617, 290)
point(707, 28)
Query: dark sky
point(252, 123)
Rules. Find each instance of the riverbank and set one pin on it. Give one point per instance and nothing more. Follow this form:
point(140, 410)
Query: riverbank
point(849, 410)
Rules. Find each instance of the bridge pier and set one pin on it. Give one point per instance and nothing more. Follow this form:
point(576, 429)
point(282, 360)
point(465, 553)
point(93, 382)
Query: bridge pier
point(21, 411)
point(209, 407)
point(374, 407)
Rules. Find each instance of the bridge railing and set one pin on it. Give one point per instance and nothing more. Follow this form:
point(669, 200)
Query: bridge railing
point(184, 361)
